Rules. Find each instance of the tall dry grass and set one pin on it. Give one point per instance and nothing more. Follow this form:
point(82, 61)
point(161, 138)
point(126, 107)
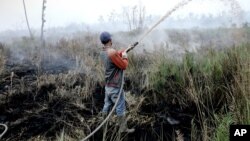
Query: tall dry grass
point(217, 84)
point(2, 58)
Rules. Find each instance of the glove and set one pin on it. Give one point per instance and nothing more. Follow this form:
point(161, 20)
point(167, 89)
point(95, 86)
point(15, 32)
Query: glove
point(124, 55)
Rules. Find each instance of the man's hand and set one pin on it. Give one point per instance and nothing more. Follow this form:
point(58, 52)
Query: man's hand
point(130, 47)
point(124, 55)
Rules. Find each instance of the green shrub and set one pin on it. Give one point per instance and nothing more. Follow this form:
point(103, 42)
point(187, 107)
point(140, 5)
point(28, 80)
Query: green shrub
point(222, 130)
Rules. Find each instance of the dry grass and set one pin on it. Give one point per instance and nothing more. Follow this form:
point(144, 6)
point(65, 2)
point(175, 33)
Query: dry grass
point(2, 58)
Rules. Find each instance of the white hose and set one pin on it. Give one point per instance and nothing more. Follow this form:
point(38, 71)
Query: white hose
point(5, 130)
point(110, 113)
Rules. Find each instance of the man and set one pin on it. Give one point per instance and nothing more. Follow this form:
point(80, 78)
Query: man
point(114, 62)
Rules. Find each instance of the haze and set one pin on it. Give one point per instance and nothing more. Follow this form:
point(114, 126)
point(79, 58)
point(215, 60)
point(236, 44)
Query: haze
point(64, 12)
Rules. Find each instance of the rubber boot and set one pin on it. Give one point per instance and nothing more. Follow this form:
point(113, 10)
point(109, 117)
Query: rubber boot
point(123, 125)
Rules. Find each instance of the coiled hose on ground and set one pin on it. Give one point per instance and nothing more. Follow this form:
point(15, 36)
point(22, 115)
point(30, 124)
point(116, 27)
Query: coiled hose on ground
point(5, 130)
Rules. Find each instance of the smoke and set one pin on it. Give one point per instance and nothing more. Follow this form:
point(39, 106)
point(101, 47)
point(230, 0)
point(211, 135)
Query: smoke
point(174, 34)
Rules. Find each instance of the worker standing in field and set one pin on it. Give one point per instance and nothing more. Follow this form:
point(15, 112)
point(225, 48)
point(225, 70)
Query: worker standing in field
point(114, 63)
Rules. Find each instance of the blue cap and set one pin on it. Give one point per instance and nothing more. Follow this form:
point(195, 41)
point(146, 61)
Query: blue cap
point(105, 37)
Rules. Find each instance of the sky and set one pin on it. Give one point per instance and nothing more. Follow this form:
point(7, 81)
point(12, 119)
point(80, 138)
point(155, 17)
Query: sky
point(65, 12)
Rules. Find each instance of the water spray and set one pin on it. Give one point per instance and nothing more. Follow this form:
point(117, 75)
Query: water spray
point(237, 11)
point(179, 5)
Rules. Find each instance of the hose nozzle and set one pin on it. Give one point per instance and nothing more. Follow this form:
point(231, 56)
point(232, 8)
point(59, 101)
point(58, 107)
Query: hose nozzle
point(132, 46)
point(135, 44)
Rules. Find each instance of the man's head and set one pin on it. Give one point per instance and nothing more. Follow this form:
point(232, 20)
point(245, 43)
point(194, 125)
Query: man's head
point(105, 38)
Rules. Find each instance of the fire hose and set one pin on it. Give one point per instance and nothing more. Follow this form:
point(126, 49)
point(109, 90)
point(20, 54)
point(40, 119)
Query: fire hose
point(5, 130)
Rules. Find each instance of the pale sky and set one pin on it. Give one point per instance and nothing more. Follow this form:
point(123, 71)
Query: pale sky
point(63, 12)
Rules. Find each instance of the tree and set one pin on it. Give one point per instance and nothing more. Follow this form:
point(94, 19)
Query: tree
point(101, 19)
point(26, 17)
point(112, 17)
point(43, 22)
point(135, 17)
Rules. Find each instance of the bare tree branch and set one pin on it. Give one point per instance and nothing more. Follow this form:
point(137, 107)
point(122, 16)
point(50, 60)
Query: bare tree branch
point(27, 21)
point(43, 21)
